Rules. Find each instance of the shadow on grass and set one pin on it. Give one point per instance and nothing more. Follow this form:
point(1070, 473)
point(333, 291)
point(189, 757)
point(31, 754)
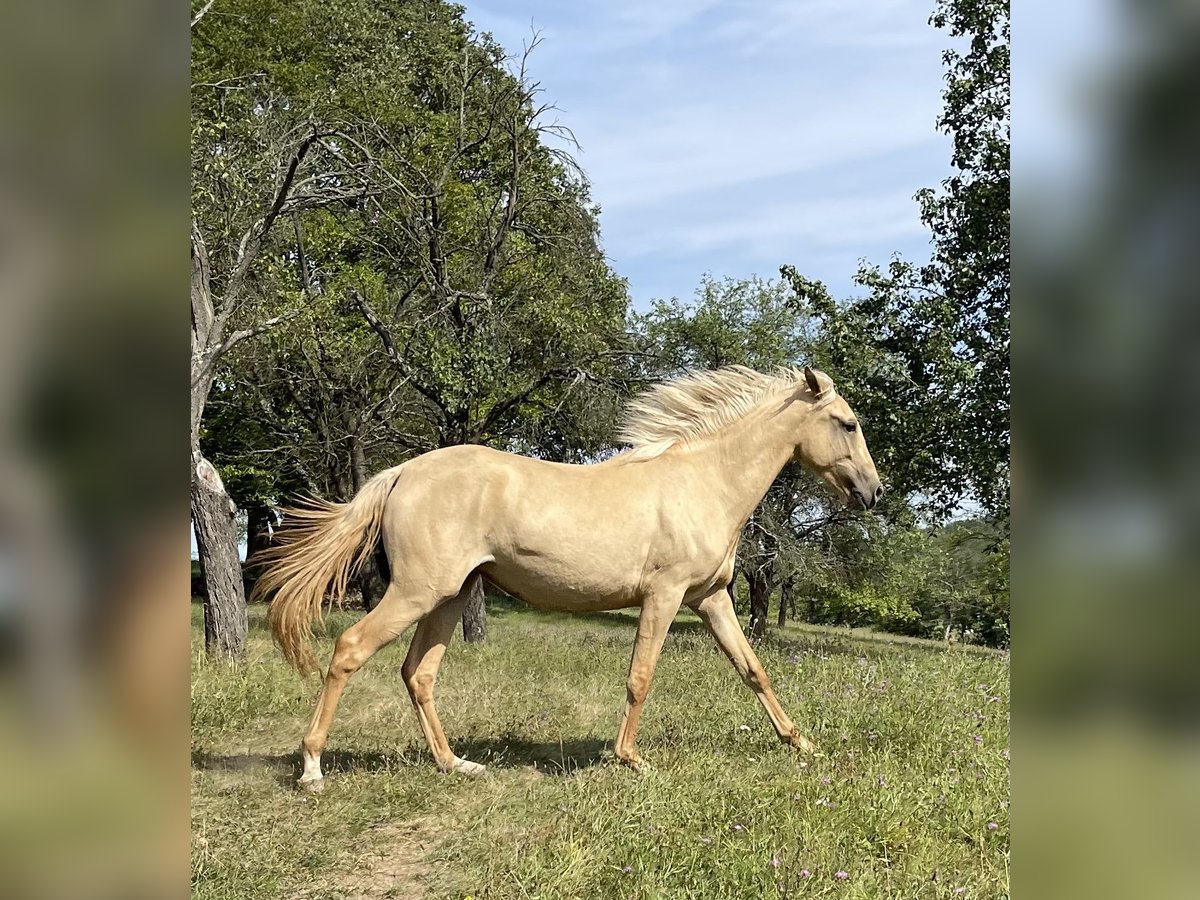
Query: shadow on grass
point(506, 752)
point(550, 758)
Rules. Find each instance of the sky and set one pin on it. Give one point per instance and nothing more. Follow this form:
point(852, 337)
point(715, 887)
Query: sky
point(735, 136)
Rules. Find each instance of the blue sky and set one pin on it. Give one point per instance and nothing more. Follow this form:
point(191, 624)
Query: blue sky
point(733, 137)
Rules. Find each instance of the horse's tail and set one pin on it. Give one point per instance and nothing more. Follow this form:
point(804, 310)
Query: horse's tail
point(321, 546)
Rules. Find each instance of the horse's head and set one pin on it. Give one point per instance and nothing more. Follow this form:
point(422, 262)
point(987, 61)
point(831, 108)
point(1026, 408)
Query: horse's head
point(832, 445)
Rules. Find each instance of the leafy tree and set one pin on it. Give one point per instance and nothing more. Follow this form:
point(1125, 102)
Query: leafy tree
point(463, 298)
point(925, 353)
point(257, 160)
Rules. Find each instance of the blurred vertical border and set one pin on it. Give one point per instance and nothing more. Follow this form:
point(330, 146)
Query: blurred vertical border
point(93, 478)
point(1106, 612)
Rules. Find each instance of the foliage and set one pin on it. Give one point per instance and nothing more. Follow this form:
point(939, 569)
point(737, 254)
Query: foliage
point(464, 298)
point(936, 582)
point(926, 352)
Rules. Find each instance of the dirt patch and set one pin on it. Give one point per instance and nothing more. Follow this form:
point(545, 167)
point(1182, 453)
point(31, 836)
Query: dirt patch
point(395, 864)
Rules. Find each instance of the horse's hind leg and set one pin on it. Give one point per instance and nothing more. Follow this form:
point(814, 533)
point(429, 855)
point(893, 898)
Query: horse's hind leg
point(358, 643)
point(420, 673)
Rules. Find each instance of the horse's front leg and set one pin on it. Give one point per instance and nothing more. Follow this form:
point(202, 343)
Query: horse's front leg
point(716, 610)
point(657, 613)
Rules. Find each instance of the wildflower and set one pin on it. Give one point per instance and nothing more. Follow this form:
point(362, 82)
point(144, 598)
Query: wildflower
point(743, 728)
point(804, 873)
point(983, 687)
point(773, 862)
point(992, 826)
point(1004, 753)
point(738, 827)
point(960, 890)
point(826, 780)
point(705, 840)
point(841, 874)
point(882, 781)
point(628, 870)
point(977, 738)
point(794, 658)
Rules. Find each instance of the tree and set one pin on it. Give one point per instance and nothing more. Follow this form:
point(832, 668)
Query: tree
point(499, 305)
point(463, 298)
point(256, 162)
point(925, 353)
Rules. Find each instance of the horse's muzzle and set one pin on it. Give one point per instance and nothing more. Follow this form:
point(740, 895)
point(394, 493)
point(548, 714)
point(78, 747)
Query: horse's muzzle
point(866, 499)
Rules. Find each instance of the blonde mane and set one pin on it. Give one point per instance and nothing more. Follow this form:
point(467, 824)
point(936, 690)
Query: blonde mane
point(699, 403)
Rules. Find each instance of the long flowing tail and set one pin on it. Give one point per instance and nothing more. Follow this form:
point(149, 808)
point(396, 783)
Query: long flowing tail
point(321, 546)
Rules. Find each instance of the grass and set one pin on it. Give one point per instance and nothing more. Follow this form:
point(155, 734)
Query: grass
point(909, 799)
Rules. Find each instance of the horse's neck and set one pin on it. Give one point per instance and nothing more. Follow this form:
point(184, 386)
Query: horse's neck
point(745, 456)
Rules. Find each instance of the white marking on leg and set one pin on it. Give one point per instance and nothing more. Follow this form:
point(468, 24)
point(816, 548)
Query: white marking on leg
point(466, 767)
point(312, 768)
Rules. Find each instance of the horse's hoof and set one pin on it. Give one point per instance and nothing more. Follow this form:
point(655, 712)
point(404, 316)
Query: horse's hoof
point(801, 743)
point(311, 785)
point(637, 763)
point(466, 767)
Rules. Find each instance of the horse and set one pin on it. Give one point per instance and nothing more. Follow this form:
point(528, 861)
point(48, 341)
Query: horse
point(655, 527)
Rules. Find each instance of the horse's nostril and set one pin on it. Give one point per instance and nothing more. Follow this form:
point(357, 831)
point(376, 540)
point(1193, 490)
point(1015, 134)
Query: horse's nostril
point(879, 492)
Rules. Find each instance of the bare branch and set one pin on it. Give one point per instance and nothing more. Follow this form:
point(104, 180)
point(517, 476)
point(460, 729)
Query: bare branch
point(200, 15)
point(389, 346)
point(266, 325)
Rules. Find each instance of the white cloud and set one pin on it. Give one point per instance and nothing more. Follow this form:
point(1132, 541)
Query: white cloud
point(708, 127)
point(649, 159)
point(823, 223)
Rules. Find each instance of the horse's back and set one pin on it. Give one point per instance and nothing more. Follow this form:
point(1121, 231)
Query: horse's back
point(556, 535)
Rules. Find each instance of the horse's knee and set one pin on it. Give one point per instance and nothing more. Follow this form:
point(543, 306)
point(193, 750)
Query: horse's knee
point(419, 684)
point(638, 687)
point(756, 678)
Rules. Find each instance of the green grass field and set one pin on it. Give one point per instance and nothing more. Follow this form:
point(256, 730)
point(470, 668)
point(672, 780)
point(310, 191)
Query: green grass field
point(909, 799)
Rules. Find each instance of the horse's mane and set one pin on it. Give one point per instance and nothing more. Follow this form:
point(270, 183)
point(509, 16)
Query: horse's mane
point(699, 403)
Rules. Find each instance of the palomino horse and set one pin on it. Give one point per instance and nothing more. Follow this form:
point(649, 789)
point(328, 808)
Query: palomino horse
point(655, 527)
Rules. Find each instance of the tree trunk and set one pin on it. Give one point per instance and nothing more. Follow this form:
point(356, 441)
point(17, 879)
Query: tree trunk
point(372, 579)
point(760, 601)
point(785, 602)
point(216, 540)
point(258, 532)
point(258, 537)
point(474, 619)
point(370, 583)
point(375, 577)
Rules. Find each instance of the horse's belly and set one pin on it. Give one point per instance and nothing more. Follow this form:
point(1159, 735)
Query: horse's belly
point(546, 584)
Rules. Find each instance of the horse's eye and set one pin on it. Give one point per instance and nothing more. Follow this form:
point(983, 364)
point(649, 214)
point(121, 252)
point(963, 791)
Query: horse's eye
point(850, 426)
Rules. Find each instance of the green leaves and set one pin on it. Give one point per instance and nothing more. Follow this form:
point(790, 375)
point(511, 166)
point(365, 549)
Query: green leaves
point(924, 355)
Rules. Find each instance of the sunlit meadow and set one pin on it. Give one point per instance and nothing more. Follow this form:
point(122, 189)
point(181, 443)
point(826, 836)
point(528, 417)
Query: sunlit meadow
point(909, 797)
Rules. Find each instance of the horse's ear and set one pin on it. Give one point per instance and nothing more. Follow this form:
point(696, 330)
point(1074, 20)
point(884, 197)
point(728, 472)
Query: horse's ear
point(811, 378)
